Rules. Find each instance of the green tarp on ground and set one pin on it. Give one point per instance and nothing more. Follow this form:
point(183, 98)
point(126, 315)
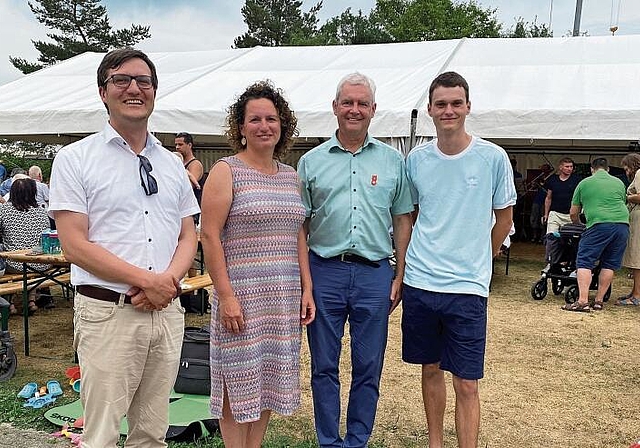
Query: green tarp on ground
point(189, 416)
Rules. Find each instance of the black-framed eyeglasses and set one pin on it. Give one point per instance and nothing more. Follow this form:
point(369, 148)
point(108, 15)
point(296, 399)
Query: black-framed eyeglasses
point(122, 81)
point(148, 182)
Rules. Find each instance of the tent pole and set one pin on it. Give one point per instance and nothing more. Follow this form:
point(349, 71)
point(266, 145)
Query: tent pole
point(412, 132)
point(576, 20)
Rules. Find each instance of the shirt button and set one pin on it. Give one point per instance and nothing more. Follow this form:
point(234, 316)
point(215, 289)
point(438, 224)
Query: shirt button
point(150, 268)
point(354, 227)
point(146, 212)
point(354, 189)
point(354, 208)
point(149, 239)
point(353, 245)
point(354, 172)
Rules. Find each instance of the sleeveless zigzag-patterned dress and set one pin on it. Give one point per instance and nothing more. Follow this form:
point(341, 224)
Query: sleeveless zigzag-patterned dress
point(261, 365)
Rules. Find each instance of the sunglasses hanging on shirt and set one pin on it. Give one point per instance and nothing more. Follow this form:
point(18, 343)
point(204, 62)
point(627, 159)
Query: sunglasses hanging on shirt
point(148, 182)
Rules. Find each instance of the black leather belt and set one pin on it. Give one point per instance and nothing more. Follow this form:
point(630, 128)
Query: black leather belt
point(102, 294)
point(353, 258)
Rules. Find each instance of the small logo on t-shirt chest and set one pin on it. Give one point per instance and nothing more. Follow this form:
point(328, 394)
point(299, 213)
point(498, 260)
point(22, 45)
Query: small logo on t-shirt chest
point(374, 179)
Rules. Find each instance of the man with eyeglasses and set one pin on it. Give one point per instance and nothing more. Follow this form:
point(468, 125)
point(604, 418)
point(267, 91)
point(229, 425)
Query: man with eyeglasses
point(123, 208)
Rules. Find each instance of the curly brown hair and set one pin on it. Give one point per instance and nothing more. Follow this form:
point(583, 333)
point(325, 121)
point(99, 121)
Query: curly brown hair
point(631, 161)
point(236, 115)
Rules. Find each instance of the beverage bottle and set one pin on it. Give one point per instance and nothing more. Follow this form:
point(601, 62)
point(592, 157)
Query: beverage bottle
point(54, 243)
point(45, 242)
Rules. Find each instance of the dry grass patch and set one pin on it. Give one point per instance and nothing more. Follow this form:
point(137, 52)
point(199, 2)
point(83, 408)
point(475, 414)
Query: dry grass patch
point(553, 379)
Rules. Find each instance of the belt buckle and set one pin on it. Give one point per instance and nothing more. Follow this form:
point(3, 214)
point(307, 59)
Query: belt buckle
point(342, 258)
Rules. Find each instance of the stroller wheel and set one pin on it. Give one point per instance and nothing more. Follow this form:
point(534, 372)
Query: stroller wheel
point(539, 289)
point(571, 294)
point(8, 362)
point(607, 294)
point(556, 286)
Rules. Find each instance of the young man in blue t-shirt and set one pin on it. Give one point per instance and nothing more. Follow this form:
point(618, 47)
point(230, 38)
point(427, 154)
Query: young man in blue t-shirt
point(459, 182)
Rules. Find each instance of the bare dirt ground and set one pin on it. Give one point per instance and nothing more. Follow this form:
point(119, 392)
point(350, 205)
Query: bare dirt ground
point(21, 438)
point(553, 379)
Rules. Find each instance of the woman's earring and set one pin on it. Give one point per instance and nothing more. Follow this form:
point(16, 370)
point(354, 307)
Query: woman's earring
point(243, 141)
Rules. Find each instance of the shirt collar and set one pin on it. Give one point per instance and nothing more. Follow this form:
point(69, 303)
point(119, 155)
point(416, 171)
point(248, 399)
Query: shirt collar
point(334, 143)
point(111, 135)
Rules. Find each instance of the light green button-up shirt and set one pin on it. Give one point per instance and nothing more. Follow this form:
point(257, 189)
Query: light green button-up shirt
point(350, 198)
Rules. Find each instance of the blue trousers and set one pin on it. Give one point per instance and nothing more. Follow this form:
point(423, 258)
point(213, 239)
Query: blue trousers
point(359, 293)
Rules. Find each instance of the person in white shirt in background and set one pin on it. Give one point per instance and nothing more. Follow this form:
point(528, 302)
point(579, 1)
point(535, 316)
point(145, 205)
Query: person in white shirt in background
point(42, 189)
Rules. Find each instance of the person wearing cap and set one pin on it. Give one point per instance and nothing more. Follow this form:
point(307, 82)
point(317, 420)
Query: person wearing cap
point(603, 200)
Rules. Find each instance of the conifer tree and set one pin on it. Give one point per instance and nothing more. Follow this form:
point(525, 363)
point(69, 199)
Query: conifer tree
point(273, 23)
point(81, 25)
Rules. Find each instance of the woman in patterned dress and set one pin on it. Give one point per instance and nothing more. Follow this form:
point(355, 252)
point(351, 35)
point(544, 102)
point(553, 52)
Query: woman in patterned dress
point(255, 250)
point(21, 224)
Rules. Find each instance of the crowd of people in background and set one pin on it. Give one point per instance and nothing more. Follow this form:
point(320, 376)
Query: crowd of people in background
point(292, 247)
point(23, 217)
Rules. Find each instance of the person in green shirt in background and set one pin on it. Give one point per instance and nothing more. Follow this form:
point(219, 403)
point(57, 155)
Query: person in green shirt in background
point(602, 198)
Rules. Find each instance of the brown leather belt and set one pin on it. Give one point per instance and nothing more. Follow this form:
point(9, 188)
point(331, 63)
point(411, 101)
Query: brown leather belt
point(101, 294)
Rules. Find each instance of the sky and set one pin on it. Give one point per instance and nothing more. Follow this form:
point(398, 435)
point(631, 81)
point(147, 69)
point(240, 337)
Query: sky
point(184, 25)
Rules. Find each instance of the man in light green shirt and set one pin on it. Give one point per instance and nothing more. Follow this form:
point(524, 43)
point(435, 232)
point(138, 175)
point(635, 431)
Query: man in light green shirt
point(355, 189)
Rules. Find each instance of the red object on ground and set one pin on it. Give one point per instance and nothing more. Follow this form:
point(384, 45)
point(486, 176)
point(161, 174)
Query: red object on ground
point(73, 372)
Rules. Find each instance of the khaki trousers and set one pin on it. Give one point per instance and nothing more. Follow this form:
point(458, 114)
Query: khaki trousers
point(557, 220)
point(128, 361)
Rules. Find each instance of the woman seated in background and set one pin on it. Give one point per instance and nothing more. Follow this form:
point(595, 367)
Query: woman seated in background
point(21, 224)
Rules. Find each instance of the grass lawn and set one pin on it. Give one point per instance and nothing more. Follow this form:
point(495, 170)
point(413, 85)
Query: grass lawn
point(553, 379)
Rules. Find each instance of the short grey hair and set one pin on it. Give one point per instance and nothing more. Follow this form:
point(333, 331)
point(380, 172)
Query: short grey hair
point(357, 79)
point(35, 171)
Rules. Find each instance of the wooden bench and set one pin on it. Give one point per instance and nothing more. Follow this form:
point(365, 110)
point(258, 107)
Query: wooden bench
point(6, 278)
point(191, 284)
point(197, 283)
point(15, 287)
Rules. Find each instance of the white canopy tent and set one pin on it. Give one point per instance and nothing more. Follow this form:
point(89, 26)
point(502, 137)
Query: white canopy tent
point(526, 94)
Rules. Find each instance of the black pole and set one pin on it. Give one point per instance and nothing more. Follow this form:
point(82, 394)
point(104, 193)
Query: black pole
point(576, 20)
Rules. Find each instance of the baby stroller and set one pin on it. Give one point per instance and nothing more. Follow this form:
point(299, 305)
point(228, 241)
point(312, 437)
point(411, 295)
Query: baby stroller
point(561, 271)
point(8, 358)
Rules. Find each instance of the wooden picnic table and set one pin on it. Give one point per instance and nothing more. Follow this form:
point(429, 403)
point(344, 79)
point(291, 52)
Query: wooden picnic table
point(57, 274)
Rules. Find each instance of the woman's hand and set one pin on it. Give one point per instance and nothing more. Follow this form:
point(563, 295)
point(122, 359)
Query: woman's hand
point(231, 314)
point(307, 308)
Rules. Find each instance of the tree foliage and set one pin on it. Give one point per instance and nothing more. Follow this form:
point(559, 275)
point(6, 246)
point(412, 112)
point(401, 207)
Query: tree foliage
point(273, 23)
point(281, 22)
point(26, 154)
point(82, 25)
point(523, 29)
point(350, 29)
point(420, 20)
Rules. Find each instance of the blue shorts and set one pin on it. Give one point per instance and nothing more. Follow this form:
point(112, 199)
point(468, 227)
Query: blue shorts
point(605, 242)
point(447, 328)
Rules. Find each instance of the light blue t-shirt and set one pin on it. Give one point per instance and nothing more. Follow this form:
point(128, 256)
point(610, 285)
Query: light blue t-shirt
point(350, 198)
point(450, 247)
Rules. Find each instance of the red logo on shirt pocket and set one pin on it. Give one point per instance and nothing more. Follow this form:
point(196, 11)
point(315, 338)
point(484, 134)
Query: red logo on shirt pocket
point(374, 179)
